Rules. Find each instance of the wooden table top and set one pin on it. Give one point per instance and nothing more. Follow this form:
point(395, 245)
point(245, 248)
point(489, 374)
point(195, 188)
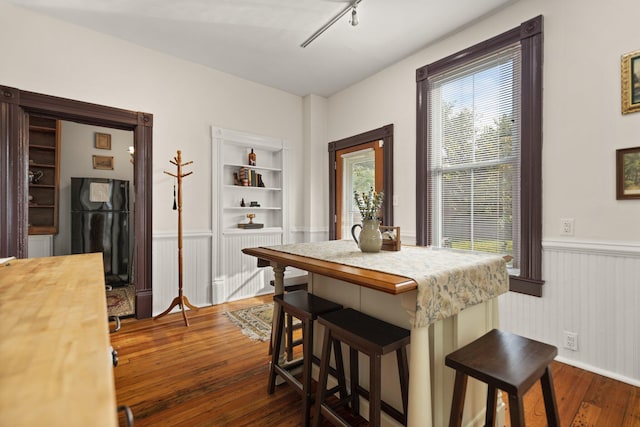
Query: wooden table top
point(380, 281)
point(55, 363)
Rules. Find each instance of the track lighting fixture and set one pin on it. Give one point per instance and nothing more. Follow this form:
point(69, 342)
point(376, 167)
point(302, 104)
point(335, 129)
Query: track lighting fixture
point(354, 21)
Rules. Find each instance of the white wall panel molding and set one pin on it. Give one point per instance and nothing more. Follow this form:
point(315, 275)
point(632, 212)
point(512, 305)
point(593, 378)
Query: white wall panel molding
point(628, 249)
point(591, 289)
point(185, 234)
point(197, 268)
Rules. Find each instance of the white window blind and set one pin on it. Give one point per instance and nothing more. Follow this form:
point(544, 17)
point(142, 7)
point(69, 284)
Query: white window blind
point(474, 151)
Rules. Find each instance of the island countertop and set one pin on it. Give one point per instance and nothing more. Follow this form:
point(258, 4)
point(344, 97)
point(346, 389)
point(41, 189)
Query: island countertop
point(377, 280)
point(54, 344)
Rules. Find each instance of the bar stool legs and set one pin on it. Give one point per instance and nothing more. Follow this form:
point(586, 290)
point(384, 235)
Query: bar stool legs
point(374, 338)
point(306, 307)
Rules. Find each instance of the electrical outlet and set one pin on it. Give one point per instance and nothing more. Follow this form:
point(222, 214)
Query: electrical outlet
point(571, 340)
point(396, 200)
point(566, 226)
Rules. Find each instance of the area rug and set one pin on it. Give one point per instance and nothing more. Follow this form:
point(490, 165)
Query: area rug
point(120, 301)
point(255, 321)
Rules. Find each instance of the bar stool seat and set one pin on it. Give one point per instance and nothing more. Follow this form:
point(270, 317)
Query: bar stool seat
point(508, 362)
point(306, 307)
point(373, 337)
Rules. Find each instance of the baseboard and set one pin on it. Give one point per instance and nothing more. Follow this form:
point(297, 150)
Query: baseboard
point(604, 373)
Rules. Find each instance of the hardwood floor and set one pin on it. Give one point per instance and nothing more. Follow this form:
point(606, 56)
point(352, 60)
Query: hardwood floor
point(210, 374)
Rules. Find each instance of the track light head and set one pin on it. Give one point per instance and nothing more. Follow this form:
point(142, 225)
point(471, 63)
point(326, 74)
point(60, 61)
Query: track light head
point(354, 21)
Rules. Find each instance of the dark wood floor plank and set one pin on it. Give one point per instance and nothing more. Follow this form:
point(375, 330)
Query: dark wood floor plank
point(210, 374)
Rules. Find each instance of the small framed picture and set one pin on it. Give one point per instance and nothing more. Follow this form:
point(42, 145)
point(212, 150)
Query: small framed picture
point(630, 79)
point(103, 162)
point(628, 173)
point(103, 141)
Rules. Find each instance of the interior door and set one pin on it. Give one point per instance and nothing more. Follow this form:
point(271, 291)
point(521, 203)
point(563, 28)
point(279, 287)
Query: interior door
point(358, 168)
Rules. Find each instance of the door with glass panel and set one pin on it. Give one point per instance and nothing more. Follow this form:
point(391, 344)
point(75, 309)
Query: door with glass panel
point(358, 168)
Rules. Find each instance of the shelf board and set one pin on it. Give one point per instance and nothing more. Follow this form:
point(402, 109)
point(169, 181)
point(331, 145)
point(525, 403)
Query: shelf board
point(41, 186)
point(254, 208)
point(228, 186)
point(264, 168)
point(44, 129)
point(41, 229)
point(269, 230)
point(43, 147)
point(41, 165)
point(41, 206)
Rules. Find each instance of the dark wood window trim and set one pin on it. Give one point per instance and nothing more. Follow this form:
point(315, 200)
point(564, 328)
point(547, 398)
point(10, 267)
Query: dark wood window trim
point(530, 36)
point(384, 133)
point(15, 107)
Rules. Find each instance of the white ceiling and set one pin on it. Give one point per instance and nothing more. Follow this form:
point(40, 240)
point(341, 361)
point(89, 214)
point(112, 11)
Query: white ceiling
point(259, 40)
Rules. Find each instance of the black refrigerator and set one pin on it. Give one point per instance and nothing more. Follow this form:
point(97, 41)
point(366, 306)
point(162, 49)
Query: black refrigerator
point(100, 223)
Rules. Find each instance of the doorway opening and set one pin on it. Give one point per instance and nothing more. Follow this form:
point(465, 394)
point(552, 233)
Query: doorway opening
point(15, 107)
point(358, 163)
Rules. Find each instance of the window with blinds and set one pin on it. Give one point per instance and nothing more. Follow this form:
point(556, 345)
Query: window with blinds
point(474, 154)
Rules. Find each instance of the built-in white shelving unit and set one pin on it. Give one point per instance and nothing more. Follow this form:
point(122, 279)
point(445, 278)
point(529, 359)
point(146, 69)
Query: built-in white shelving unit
point(237, 275)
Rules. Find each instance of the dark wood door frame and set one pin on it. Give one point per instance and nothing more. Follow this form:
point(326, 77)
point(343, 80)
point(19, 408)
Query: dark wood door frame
point(15, 107)
point(385, 134)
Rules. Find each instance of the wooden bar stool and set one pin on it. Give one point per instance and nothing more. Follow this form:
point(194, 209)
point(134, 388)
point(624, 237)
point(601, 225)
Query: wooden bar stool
point(306, 307)
point(507, 362)
point(373, 337)
point(293, 283)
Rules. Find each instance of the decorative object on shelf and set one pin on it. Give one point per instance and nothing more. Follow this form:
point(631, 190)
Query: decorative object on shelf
point(254, 204)
point(252, 158)
point(390, 238)
point(103, 141)
point(181, 300)
point(628, 173)
point(242, 204)
point(35, 176)
point(103, 162)
point(369, 205)
point(250, 224)
point(630, 81)
point(248, 178)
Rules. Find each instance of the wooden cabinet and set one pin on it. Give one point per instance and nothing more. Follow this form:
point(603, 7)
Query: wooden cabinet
point(44, 161)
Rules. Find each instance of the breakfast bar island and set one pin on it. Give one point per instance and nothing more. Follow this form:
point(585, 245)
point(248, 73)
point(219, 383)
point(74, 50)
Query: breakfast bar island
point(447, 298)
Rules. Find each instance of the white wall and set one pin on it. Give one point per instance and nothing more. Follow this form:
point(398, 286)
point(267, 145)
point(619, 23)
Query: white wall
point(582, 127)
point(41, 54)
point(45, 55)
point(77, 148)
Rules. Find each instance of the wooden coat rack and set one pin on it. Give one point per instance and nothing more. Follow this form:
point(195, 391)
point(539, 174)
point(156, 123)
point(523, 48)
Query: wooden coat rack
point(181, 300)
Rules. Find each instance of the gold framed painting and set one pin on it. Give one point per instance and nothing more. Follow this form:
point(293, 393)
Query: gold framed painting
point(103, 162)
point(630, 80)
point(103, 141)
point(628, 173)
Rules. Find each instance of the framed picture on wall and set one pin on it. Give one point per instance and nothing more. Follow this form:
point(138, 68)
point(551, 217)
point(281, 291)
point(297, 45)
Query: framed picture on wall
point(103, 141)
point(103, 162)
point(630, 79)
point(628, 173)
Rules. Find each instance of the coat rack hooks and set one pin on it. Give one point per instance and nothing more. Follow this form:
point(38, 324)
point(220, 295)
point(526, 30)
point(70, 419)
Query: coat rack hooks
point(181, 300)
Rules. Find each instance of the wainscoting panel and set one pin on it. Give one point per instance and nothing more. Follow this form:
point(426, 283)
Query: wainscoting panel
point(239, 276)
point(196, 275)
point(592, 289)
